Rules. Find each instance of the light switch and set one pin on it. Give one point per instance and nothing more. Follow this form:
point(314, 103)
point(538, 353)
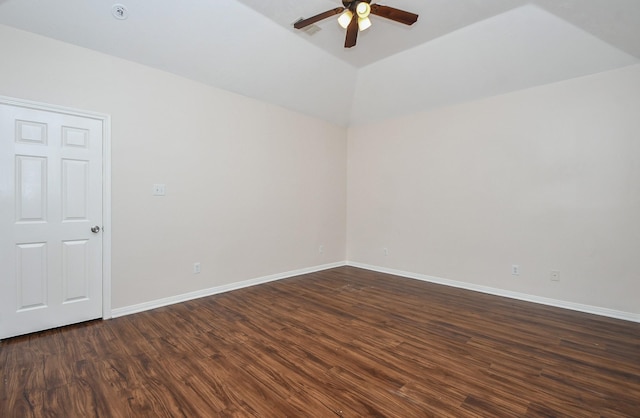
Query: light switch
point(158, 190)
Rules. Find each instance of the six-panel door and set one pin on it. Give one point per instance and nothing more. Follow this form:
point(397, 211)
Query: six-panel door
point(50, 198)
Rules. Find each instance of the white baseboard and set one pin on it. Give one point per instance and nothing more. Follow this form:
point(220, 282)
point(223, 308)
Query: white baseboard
point(627, 316)
point(128, 310)
point(611, 313)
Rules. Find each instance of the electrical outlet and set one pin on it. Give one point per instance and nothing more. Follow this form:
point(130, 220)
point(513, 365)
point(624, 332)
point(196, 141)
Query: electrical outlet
point(321, 249)
point(196, 268)
point(386, 251)
point(555, 275)
point(515, 270)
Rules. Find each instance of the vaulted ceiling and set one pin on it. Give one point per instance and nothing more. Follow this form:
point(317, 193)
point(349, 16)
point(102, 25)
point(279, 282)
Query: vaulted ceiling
point(459, 50)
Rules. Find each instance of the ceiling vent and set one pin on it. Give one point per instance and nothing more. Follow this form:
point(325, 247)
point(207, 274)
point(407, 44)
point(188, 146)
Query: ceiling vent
point(309, 30)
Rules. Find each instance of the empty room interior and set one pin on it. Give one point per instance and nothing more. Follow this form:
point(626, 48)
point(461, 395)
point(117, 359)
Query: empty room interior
point(320, 208)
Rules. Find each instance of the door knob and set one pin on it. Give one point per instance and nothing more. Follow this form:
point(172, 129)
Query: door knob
point(95, 229)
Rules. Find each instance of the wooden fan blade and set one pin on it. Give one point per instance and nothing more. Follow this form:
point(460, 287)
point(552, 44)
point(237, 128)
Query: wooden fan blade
point(306, 22)
point(352, 32)
point(397, 15)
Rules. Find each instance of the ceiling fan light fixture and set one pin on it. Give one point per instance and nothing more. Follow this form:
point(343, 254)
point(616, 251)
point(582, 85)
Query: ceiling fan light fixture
point(363, 9)
point(364, 23)
point(354, 17)
point(345, 19)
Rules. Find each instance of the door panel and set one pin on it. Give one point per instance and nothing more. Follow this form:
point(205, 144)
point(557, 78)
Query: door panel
point(31, 275)
point(31, 189)
point(50, 197)
point(75, 190)
point(75, 277)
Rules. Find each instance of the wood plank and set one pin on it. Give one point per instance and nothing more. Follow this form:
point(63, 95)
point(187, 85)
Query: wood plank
point(344, 342)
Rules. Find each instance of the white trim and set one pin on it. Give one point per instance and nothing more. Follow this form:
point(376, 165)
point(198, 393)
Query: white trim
point(12, 101)
point(106, 183)
point(106, 217)
point(596, 310)
point(141, 307)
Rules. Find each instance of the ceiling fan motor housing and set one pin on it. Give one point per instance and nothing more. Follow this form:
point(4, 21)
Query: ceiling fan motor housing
point(351, 4)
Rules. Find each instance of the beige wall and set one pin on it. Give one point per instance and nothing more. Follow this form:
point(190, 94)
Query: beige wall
point(546, 178)
point(252, 189)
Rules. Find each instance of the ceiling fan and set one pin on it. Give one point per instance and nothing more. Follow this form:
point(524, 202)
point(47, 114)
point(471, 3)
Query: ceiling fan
point(355, 16)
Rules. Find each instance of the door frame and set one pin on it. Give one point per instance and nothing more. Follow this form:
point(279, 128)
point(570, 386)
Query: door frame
point(106, 183)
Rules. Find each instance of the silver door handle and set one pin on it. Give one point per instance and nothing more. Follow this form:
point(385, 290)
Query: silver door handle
point(95, 229)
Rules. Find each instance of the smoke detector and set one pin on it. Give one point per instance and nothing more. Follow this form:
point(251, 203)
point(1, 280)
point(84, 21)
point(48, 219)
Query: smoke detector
point(119, 11)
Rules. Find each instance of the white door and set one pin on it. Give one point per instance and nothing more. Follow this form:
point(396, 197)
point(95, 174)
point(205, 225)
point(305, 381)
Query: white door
point(50, 199)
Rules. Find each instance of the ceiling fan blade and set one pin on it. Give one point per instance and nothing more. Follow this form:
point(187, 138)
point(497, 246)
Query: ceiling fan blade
point(397, 15)
point(352, 32)
point(309, 21)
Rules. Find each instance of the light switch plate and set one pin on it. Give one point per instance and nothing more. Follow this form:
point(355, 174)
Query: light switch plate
point(158, 190)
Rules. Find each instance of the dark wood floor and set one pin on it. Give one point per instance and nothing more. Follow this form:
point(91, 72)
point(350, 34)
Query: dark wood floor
point(343, 342)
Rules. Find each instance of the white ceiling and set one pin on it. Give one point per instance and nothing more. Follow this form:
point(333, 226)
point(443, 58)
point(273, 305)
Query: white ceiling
point(458, 50)
point(614, 21)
